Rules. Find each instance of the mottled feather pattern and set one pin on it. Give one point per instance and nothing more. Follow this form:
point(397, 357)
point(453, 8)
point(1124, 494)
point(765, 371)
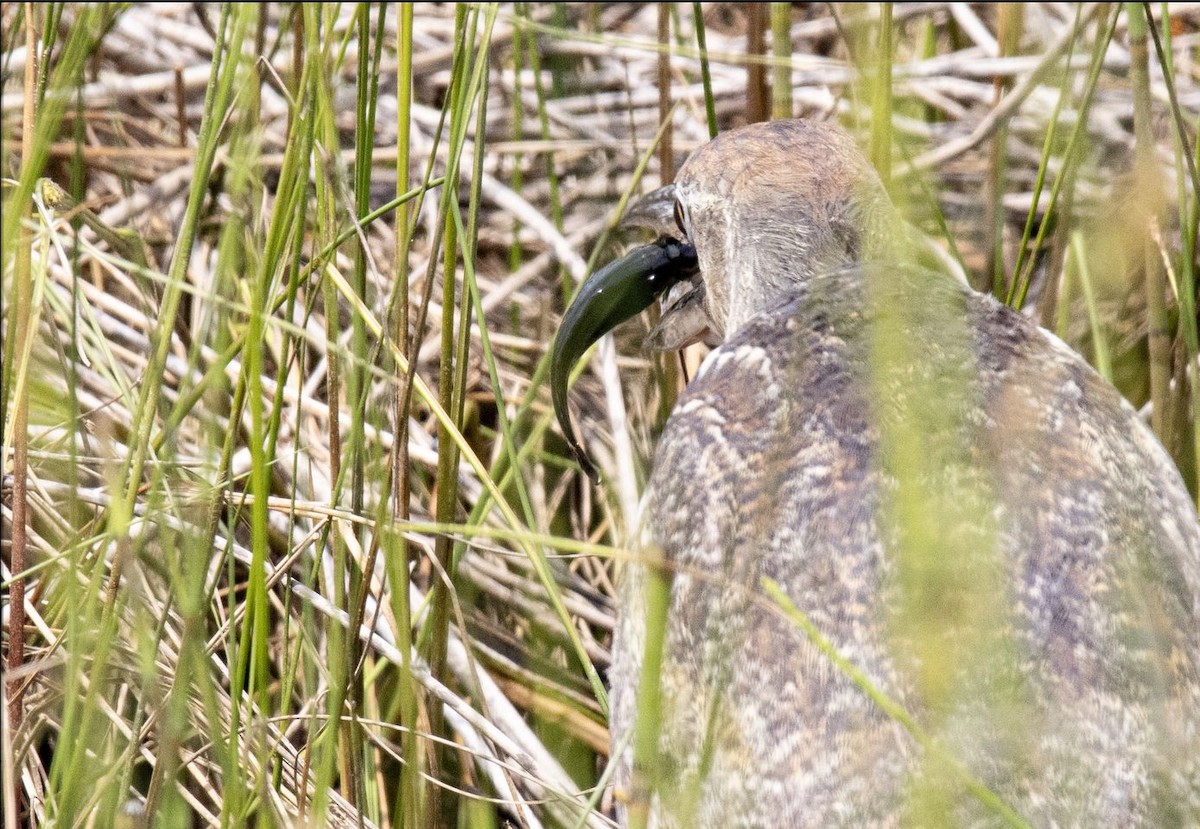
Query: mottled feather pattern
point(770, 466)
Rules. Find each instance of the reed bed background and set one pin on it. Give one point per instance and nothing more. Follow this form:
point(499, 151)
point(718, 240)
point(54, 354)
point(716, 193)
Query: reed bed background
point(298, 539)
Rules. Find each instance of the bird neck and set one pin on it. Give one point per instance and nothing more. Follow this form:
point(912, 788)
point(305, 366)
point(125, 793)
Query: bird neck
point(768, 258)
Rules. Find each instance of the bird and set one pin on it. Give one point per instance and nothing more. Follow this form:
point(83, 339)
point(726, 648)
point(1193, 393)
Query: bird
point(903, 557)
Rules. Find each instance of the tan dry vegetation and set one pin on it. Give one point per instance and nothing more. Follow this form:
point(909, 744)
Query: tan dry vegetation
point(203, 521)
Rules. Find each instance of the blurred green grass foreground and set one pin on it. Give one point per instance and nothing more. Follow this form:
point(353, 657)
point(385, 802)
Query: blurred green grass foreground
point(289, 534)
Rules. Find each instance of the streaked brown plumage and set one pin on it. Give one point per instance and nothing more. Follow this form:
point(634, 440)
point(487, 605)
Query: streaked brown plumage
point(1045, 500)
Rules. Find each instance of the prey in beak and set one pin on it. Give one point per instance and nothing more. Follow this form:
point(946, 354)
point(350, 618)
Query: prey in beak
point(620, 290)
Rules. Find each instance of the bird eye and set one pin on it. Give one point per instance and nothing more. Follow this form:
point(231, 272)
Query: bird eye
point(679, 218)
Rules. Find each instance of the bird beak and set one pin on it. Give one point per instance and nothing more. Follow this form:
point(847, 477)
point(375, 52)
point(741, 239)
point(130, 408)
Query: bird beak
point(684, 320)
point(607, 298)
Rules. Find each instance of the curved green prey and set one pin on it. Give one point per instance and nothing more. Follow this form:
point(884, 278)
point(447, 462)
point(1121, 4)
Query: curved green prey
point(610, 296)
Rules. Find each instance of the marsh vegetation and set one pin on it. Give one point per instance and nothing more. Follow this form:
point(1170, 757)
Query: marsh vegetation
point(297, 536)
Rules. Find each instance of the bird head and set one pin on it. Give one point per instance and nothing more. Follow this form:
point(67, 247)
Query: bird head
point(768, 206)
point(751, 216)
